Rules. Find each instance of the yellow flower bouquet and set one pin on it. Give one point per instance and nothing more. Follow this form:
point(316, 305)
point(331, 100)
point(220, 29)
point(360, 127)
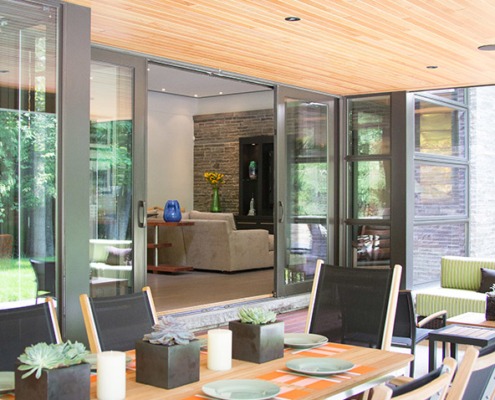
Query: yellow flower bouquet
point(214, 178)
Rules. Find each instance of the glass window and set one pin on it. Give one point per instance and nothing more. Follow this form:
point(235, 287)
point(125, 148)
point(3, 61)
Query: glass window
point(440, 129)
point(431, 242)
point(440, 190)
point(371, 189)
point(369, 125)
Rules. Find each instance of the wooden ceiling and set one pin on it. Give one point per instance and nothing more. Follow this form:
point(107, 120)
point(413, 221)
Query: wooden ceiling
point(342, 47)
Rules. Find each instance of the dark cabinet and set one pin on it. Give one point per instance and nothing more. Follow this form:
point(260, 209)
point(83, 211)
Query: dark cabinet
point(256, 188)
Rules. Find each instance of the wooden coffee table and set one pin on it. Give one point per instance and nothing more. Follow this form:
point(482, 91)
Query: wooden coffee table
point(472, 319)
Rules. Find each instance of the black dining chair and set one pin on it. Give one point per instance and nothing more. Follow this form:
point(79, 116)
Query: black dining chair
point(354, 305)
point(44, 272)
point(117, 322)
point(407, 331)
point(25, 326)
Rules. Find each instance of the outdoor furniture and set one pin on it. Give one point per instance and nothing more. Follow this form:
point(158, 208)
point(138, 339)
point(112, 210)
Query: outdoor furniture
point(24, 326)
point(44, 272)
point(433, 385)
point(407, 332)
point(354, 305)
point(116, 322)
point(458, 334)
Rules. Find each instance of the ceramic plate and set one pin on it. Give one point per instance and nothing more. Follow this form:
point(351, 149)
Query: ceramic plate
point(245, 389)
point(304, 340)
point(319, 366)
point(7, 381)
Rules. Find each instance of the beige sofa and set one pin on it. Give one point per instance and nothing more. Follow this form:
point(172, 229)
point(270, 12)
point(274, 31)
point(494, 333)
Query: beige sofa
point(214, 243)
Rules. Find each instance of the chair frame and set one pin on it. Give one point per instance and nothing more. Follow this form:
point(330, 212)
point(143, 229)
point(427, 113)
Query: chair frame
point(90, 323)
point(391, 308)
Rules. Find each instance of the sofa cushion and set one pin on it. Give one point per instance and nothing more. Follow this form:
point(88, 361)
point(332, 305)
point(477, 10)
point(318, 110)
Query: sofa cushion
point(463, 272)
point(229, 217)
point(487, 280)
point(119, 256)
point(454, 301)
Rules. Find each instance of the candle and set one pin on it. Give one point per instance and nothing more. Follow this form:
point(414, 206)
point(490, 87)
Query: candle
point(219, 349)
point(110, 382)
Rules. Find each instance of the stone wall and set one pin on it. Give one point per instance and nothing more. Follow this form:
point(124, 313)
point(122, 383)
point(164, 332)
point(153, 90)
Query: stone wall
point(216, 149)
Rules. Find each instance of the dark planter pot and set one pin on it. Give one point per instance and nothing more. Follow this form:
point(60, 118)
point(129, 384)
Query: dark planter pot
point(490, 308)
point(69, 383)
point(167, 366)
point(257, 343)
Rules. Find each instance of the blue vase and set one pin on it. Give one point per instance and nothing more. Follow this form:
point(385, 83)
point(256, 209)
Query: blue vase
point(172, 211)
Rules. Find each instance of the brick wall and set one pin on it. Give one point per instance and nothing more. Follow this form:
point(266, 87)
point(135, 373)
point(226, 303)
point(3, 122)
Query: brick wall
point(216, 149)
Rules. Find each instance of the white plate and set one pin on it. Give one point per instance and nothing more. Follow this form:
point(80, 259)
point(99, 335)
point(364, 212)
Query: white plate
point(319, 366)
point(241, 389)
point(304, 340)
point(7, 381)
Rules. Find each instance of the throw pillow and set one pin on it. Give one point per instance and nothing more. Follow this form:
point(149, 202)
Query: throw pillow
point(118, 256)
point(487, 280)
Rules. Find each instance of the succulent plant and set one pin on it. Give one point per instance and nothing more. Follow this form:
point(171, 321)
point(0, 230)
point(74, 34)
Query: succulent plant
point(169, 332)
point(256, 316)
point(50, 356)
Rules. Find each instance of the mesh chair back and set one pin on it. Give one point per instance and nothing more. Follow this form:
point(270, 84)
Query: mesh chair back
point(45, 275)
point(482, 381)
point(351, 304)
point(22, 327)
point(404, 325)
point(121, 320)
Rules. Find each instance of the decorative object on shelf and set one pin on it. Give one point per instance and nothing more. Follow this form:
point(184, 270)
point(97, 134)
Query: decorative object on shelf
point(490, 304)
point(257, 336)
point(54, 371)
point(219, 349)
point(168, 357)
point(172, 213)
point(110, 384)
point(252, 211)
point(215, 179)
point(252, 170)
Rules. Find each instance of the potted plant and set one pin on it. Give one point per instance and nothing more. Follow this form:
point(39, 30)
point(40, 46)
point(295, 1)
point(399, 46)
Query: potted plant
point(257, 336)
point(53, 371)
point(168, 357)
point(490, 304)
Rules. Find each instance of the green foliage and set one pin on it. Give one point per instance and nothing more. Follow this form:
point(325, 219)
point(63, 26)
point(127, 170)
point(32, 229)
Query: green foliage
point(18, 280)
point(50, 356)
point(256, 316)
point(169, 332)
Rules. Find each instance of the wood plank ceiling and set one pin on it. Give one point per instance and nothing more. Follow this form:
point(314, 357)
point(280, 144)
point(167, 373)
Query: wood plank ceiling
point(342, 47)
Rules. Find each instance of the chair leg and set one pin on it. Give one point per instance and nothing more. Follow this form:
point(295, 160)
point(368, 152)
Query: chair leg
point(411, 365)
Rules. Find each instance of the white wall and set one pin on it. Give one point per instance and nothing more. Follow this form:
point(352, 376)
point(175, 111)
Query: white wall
point(171, 140)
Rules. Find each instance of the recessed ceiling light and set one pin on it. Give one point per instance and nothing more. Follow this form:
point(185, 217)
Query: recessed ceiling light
point(163, 89)
point(292, 19)
point(195, 95)
point(487, 47)
point(220, 92)
point(432, 66)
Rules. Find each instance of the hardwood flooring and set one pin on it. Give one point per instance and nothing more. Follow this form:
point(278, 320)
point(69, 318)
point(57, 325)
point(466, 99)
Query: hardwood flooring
point(196, 289)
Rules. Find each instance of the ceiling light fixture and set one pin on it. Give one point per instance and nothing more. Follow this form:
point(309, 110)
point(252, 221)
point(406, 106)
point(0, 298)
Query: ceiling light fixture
point(292, 19)
point(487, 47)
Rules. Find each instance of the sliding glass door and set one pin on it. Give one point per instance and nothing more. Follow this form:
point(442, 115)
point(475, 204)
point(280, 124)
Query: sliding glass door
point(305, 179)
point(117, 184)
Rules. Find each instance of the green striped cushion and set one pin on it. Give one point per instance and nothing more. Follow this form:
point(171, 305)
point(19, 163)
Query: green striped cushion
point(463, 272)
point(455, 301)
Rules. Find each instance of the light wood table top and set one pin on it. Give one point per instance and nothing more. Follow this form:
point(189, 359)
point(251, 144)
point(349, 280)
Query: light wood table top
point(372, 367)
point(472, 319)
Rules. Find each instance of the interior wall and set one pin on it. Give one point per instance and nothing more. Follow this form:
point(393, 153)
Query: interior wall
point(171, 140)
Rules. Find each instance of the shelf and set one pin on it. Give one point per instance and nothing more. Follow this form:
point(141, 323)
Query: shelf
point(158, 245)
point(168, 268)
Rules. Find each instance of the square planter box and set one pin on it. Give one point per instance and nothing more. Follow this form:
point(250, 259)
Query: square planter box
point(69, 383)
point(167, 366)
point(257, 343)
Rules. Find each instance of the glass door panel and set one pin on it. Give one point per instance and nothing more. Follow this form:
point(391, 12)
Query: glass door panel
point(305, 121)
point(111, 183)
point(28, 152)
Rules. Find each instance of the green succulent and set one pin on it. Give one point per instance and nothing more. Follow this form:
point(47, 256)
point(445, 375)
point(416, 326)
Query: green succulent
point(169, 332)
point(50, 356)
point(256, 316)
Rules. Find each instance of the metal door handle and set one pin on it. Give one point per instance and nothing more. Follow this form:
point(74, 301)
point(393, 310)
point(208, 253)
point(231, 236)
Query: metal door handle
point(281, 212)
point(142, 214)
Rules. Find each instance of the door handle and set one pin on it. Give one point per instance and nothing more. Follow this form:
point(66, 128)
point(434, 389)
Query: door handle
point(281, 212)
point(142, 214)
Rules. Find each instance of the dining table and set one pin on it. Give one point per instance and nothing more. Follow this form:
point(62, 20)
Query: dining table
point(370, 368)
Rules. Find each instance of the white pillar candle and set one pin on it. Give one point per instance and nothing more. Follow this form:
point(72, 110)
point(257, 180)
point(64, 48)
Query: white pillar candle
point(219, 349)
point(110, 381)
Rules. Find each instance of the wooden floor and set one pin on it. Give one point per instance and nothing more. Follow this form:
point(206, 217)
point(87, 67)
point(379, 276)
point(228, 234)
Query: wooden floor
point(197, 288)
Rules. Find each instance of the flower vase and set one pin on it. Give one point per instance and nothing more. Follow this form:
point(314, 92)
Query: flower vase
point(172, 213)
point(215, 201)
